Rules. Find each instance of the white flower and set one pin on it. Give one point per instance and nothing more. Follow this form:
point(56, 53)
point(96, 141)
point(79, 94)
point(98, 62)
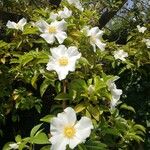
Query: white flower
point(141, 29)
point(18, 26)
point(147, 42)
point(95, 34)
point(76, 3)
point(66, 13)
point(66, 130)
point(116, 93)
point(51, 31)
point(63, 60)
point(14, 145)
point(120, 54)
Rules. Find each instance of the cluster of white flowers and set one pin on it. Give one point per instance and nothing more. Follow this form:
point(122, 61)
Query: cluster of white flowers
point(66, 130)
point(120, 54)
point(147, 42)
point(116, 93)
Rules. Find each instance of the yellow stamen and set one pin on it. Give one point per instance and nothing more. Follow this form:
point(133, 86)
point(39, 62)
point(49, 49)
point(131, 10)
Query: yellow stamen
point(69, 131)
point(51, 29)
point(63, 61)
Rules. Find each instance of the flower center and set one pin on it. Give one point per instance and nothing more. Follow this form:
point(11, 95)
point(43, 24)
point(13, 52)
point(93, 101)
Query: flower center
point(93, 39)
point(69, 131)
point(52, 29)
point(63, 61)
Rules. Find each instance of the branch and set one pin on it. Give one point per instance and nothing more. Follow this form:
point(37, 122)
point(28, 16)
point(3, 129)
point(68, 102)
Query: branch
point(109, 14)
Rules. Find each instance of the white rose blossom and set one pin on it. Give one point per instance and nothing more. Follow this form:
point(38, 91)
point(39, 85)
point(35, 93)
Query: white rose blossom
point(18, 26)
point(76, 3)
point(66, 130)
point(63, 60)
point(147, 42)
point(95, 35)
point(120, 54)
point(54, 30)
point(116, 93)
point(141, 29)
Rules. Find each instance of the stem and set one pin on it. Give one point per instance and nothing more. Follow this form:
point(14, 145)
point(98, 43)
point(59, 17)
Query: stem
point(64, 91)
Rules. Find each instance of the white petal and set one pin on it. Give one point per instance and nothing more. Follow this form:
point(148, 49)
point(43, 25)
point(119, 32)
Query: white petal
point(100, 45)
point(99, 34)
point(11, 24)
point(53, 16)
point(71, 65)
point(42, 25)
point(48, 37)
point(71, 115)
point(94, 46)
point(74, 142)
point(83, 128)
point(62, 73)
point(51, 65)
point(79, 6)
point(116, 93)
point(60, 144)
point(22, 23)
point(73, 52)
point(65, 13)
point(58, 51)
point(93, 31)
point(61, 36)
point(61, 25)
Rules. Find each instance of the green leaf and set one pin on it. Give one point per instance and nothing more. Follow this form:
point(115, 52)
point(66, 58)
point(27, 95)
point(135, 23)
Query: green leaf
point(63, 96)
point(26, 59)
point(47, 118)
point(78, 108)
point(30, 30)
point(139, 127)
point(34, 79)
point(35, 129)
point(47, 147)
point(125, 106)
point(44, 86)
point(18, 138)
point(95, 145)
point(40, 138)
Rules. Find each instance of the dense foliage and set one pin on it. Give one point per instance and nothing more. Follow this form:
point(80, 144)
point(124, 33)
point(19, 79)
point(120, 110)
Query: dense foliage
point(32, 95)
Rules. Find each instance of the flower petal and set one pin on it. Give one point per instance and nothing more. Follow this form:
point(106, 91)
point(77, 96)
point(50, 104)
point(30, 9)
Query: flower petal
point(83, 128)
point(93, 31)
point(100, 45)
point(74, 142)
point(11, 25)
point(58, 51)
point(60, 144)
point(49, 38)
point(73, 52)
point(61, 36)
point(71, 115)
point(42, 25)
point(22, 23)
